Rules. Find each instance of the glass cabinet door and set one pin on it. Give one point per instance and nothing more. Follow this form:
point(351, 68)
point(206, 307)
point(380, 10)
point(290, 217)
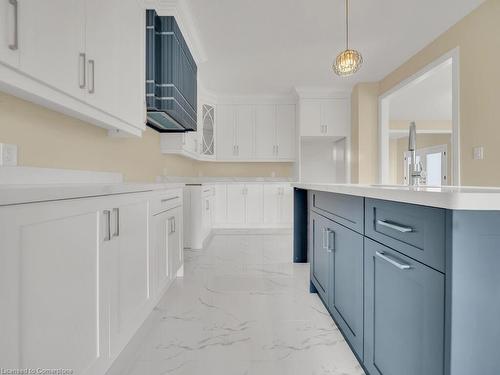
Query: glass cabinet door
point(208, 113)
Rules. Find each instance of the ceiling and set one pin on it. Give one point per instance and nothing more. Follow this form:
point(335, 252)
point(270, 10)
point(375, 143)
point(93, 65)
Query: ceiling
point(427, 100)
point(272, 46)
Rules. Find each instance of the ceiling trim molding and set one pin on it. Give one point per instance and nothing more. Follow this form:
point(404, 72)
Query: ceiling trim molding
point(320, 93)
point(184, 17)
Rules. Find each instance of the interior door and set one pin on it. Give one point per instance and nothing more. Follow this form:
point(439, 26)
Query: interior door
point(404, 314)
point(265, 132)
point(285, 132)
point(347, 299)
point(51, 47)
point(225, 130)
point(235, 204)
point(9, 52)
point(254, 204)
point(245, 132)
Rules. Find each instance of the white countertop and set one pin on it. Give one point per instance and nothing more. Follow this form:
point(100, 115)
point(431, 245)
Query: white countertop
point(30, 193)
point(449, 197)
point(224, 180)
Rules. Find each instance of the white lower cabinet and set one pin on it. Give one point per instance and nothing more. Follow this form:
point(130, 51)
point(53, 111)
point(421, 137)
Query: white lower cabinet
point(75, 280)
point(199, 214)
point(253, 205)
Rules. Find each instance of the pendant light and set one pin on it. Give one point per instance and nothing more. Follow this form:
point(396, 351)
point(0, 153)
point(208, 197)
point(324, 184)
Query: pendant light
point(349, 61)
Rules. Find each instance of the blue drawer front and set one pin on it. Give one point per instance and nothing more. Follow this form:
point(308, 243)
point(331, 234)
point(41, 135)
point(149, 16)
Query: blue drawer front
point(416, 231)
point(347, 210)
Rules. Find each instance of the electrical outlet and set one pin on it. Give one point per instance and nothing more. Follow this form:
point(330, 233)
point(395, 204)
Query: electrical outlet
point(8, 155)
point(478, 153)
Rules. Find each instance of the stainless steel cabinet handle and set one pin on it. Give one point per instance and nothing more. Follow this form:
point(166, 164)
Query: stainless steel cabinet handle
point(330, 245)
point(82, 72)
point(173, 225)
point(238, 150)
point(325, 238)
point(107, 221)
point(207, 204)
point(277, 150)
point(15, 45)
point(116, 212)
point(92, 76)
point(399, 228)
point(394, 262)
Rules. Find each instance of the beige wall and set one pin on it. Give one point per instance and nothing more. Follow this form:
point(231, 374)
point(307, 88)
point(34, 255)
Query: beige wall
point(53, 140)
point(364, 133)
point(478, 38)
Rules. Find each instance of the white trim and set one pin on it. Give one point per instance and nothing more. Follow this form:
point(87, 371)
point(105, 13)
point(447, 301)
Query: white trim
point(453, 57)
point(320, 93)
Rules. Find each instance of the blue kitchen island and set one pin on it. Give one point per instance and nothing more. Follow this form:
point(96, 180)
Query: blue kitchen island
point(410, 275)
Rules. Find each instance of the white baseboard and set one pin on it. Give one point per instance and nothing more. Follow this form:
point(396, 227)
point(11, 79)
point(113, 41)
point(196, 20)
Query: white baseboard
point(216, 231)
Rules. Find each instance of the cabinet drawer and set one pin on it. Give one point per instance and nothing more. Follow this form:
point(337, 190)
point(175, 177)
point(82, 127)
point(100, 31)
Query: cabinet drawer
point(344, 209)
point(416, 231)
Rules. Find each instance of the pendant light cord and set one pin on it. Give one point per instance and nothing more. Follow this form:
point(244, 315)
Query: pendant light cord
point(347, 24)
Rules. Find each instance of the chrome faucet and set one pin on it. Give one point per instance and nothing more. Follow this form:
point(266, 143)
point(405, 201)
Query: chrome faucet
point(416, 173)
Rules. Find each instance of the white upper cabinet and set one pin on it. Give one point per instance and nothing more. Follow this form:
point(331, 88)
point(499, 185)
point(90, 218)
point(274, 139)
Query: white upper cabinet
point(85, 58)
point(265, 132)
point(285, 132)
point(9, 33)
point(52, 48)
point(226, 132)
point(324, 117)
point(244, 132)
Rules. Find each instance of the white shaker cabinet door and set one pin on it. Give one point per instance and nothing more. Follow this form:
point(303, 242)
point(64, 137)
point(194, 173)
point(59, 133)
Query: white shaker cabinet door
point(265, 132)
point(286, 206)
point(235, 204)
point(51, 287)
point(254, 194)
point(9, 32)
point(220, 214)
point(226, 132)
point(335, 116)
point(175, 245)
point(285, 132)
point(130, 287)
point(103, 58)
point(271, 204)
point(131, 59)
point(245, 132)
point(310, 118)
point(51, 43)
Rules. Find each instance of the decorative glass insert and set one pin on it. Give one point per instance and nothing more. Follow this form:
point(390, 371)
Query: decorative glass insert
point(208, 113)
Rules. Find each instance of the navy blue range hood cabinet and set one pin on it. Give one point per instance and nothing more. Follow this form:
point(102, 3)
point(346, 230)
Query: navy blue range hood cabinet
point(171, 77)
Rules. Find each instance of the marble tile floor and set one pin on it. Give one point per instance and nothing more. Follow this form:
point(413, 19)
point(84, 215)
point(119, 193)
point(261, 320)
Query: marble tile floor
point(243, 308)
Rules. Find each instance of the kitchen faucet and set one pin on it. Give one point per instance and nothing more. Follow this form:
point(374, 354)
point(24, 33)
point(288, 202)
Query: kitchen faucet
point(416, 174)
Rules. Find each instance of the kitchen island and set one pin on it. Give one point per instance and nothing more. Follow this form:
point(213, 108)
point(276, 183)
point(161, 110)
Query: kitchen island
point(408, 274)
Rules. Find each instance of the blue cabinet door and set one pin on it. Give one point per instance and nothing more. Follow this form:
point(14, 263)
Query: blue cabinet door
point(404, 314)
point(347, 294)
point(322, 257)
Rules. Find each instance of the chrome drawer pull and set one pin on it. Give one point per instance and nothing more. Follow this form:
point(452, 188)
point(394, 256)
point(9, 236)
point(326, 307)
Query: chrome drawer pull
point(330, 246)
point(401, 266)
point(15, 45)
point(394, 226)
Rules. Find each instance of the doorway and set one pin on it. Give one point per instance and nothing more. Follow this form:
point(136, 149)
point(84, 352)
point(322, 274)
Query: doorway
point(430, 98)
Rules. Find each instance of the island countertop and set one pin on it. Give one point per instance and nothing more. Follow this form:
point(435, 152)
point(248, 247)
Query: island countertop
point(448, 197)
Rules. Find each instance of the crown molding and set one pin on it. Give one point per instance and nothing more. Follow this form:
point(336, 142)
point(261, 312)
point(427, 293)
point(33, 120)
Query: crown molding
point(184, 16)
point(320, 93)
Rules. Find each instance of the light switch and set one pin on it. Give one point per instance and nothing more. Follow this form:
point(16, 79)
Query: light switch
point(8, 155)
point(478, 153)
